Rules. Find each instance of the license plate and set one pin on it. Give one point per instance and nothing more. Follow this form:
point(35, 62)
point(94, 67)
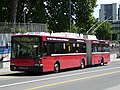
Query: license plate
point(23, 67)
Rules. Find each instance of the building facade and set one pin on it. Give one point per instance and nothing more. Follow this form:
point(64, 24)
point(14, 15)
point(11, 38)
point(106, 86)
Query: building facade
point(116, 28)
point(112, 13)
point(108, 11)
point(119, 13)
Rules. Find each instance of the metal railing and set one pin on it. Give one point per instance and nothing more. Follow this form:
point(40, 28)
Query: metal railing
point(6, 27)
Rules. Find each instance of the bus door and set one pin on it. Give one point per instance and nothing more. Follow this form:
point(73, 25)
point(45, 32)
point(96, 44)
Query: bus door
point(47, 59)
point(89, 53)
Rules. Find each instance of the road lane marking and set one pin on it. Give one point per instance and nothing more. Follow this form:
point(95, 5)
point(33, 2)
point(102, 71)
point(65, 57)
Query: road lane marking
point(6, 77)
point(9, 77)
point(73, 80)
point(50, 78)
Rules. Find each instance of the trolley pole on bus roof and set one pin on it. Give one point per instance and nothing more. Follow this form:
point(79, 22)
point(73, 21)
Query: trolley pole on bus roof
point(87, 33)
point(70, 13)
point(91, 29)
point(101, 24)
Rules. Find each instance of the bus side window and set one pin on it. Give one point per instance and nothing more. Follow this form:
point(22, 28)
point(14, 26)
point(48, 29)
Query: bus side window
point(50, 48)
point(95, 49)
point(103, 48)
point(99, 48)
point(83, 48)
point(107, 48)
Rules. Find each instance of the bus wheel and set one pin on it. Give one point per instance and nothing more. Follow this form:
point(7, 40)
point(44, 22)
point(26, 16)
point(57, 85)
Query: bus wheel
point(56, 67)
point(102, 62)
point(82, 65)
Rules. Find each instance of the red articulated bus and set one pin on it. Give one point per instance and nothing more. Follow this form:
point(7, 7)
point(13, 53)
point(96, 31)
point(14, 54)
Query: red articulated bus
point(44, 53)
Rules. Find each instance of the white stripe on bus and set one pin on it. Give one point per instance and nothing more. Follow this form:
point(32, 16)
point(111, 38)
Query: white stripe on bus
point(68, 54)
point(79, 53)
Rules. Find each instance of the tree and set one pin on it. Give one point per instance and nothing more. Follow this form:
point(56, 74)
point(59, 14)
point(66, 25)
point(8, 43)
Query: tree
point(4, 10)
point(104, 32)
point(14, 4)
point(74, 29)
point(35, 11)
point(20, 13)
point(114, 36)
point(83, 11)
point(58, 14)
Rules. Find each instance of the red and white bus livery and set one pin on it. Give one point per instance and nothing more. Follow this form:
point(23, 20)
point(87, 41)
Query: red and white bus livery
point(43, 53)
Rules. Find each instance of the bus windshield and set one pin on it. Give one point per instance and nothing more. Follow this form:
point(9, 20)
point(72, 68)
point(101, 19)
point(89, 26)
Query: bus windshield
point(26, 47)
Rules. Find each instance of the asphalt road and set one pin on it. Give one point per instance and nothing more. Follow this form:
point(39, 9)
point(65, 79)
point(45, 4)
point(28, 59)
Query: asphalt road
point(91, 78)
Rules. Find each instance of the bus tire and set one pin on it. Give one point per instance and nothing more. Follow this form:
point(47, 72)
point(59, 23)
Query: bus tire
point(56, 67)
point(82, 64)
point(102, 62)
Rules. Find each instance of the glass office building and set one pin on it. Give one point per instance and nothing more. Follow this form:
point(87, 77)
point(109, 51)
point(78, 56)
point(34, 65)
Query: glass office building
point(108, 11)
point(116, 28)
point(112, 13)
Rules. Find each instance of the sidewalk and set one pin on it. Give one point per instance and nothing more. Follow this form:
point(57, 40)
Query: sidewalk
point(113, 57)
point(5, 68)
point(5, 71)
point(5, 64)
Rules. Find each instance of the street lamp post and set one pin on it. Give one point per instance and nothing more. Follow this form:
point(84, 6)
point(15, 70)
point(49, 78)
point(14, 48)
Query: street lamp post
point(24, 17)
point(70, 14)
point(91, 28)
point(25, 11)
point(101, 23)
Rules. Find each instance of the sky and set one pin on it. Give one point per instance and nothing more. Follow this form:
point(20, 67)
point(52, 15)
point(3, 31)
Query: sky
point(96, 10)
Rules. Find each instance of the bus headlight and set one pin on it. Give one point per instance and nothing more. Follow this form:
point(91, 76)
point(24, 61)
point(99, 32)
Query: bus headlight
point(38, 64)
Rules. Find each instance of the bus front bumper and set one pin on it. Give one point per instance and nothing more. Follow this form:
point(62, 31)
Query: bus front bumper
point(26, 68)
